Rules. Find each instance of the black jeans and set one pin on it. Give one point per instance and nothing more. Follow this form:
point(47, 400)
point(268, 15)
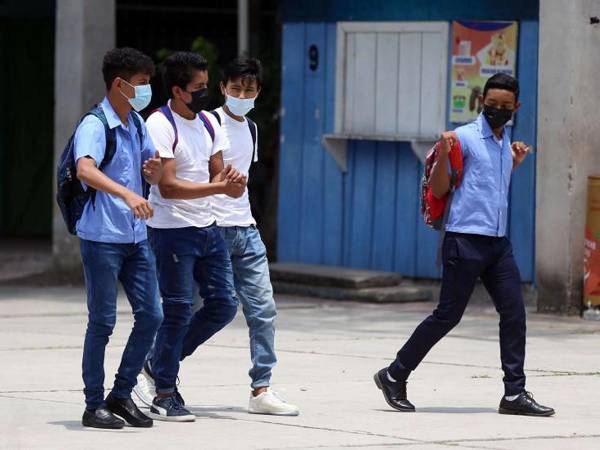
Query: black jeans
point(466, 258)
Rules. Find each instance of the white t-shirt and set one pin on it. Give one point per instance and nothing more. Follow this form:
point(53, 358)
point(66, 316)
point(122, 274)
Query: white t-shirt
point(230, 211)
point(192, 155)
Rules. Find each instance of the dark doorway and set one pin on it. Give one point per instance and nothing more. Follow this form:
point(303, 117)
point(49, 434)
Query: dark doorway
point(27, 118)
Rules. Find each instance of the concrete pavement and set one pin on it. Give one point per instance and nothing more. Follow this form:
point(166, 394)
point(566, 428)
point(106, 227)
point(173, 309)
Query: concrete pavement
point(328, 352)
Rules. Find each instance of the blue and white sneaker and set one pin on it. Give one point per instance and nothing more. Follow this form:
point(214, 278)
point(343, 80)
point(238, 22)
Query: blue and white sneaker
point(170, 410)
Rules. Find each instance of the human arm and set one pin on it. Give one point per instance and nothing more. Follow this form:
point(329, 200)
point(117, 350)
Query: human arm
point(440, 174)
point(88, 173)
point(172, 187)
point(89, 149)
point(235, 181)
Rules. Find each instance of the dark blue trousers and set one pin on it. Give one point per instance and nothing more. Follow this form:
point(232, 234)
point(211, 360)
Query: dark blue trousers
point(186, 257)
point(467, 257)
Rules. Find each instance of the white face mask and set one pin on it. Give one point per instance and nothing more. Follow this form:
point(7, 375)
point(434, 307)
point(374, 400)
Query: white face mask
point(239, 106)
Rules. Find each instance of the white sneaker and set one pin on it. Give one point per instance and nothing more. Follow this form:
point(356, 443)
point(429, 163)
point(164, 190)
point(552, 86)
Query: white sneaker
point(145, 389)
point(270, 403)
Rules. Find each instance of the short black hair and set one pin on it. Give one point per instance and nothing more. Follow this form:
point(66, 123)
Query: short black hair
point(178, 69)
point(504, 82)
point(124, 63)
point(244, 68)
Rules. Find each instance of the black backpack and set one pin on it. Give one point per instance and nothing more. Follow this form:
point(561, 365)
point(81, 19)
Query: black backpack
point(70, 195)
point(251, 126)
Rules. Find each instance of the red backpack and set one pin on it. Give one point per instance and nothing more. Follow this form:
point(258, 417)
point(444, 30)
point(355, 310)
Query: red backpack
point(434, 209)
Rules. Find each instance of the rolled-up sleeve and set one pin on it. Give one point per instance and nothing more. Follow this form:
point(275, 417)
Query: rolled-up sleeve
point(161, 134)
point(90, 140)
point(221, 142)
point(148, 150)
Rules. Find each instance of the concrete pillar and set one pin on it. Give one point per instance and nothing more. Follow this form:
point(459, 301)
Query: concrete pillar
point(568, 146)
point(243, 24)
point(85, 30)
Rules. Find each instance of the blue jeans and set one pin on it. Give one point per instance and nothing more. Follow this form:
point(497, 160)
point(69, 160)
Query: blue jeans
point(103, 266)
point(185, 256)
point(253, 288)
point(466, 258)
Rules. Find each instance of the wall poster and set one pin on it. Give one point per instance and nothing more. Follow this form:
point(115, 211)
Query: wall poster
point(479, 50)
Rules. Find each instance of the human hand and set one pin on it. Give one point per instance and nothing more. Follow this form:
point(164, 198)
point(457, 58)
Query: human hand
point(519, 152)
point(447, 140)
point(139, 206)
point(152, 169)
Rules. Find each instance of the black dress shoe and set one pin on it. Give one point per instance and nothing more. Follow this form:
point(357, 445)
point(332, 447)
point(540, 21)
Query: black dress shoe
point(393, 392)
point(128, 410)
point(101, 418)
point(524, 405)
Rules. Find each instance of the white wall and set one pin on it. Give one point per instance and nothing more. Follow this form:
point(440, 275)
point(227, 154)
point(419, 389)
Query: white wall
point(568, 146)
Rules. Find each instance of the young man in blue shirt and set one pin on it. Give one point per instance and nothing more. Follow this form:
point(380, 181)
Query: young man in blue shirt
point(112, 232)
point(475, 246)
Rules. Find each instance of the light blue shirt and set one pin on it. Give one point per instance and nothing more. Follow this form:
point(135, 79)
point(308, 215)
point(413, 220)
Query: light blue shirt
point(110, 219)
point(480, 204)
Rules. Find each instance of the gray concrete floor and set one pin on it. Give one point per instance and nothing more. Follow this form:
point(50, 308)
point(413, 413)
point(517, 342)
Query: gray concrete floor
point(20, 257)
point(328, 352)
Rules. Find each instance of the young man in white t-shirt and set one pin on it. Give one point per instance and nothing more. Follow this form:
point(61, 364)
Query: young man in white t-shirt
point(189, 247)
point(240, 86)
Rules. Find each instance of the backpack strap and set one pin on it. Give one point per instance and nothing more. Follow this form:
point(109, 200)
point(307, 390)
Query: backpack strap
point(137, 122)
point(253, 132)
point(166, 111)
point(110, 135)
point(216, 115)
point(209, 127)
point(251, 126)
point(111, 143)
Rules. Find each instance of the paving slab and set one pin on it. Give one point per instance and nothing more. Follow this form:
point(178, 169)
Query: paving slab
point(328, 352)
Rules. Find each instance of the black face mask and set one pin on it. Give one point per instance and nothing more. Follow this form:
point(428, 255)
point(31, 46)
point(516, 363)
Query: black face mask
point(200, 100)
point(497, 117)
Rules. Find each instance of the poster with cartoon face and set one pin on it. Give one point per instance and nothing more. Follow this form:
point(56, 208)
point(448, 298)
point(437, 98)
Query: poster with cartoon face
point(479, 50)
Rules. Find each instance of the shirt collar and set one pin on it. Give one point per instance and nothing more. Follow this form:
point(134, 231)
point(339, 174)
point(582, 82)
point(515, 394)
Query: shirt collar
point(484, 128)
point(111, 116)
